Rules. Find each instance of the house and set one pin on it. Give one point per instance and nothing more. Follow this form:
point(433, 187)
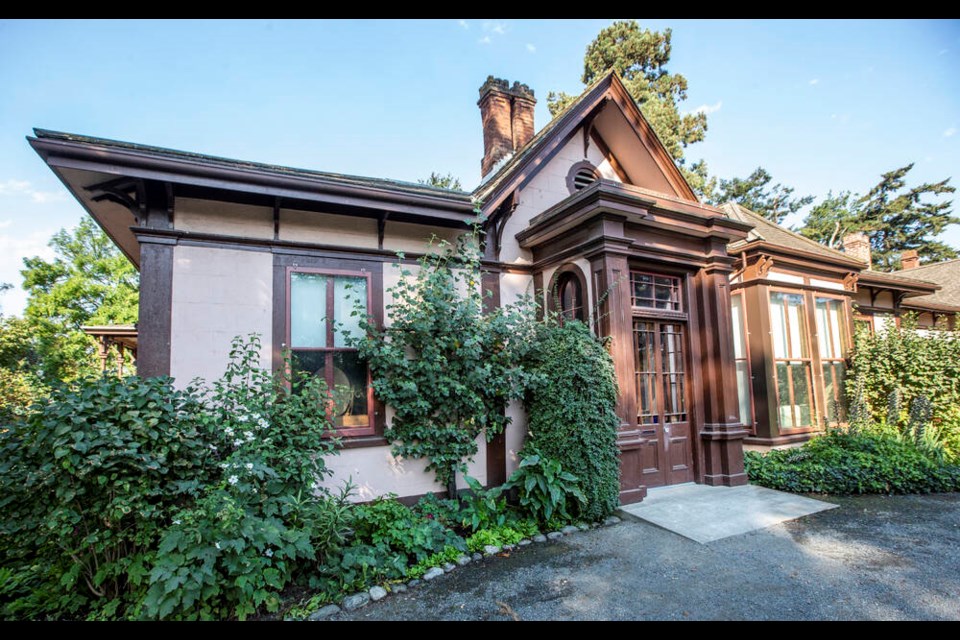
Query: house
point(590, 204)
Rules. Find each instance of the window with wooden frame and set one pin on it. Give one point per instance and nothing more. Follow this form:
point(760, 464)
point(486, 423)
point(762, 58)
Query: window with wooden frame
point(832, 342)
point(654, 291)
point(570, 297)
point(319, 307)
point(792, 364)
point(741, 359)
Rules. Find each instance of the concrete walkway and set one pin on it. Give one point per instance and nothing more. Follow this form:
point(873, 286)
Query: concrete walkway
point(706, 514)
point(874, 558)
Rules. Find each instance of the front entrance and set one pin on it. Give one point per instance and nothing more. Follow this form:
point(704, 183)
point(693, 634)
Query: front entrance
point(666, 454)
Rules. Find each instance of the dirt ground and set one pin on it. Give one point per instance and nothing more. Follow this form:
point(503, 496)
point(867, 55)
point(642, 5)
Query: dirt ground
point(874, 558)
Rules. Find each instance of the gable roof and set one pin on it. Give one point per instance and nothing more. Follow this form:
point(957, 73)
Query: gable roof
point(771, 233)
point(528, 159)
point(947, 275)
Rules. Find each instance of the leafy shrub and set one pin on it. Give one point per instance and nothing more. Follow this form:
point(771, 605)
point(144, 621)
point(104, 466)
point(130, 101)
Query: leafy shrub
point(843, 463)
point(570, 405)
point(909, 383)
point(402, 529)
point(496, 536)
point(448, 554)
point(88, 482)
point(544, 488)
point(446, 511)
point(483, 508)
point(131, 498)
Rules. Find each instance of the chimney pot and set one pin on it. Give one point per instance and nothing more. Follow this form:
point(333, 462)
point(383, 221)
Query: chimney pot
point(507, 116)
point(858, 246)
point(909, 259)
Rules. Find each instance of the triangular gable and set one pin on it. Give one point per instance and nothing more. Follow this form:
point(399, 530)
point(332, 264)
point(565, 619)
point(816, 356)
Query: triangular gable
point(593, 110)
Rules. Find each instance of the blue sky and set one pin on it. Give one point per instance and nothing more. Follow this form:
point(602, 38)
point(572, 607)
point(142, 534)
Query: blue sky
point(820, 104)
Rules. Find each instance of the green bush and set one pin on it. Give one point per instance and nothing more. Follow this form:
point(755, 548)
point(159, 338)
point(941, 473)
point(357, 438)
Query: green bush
point(907, 383)
point(402, 529)
point(130, 498)
point(842, 463)
point(496, 536)
point(570, 405)
point(544, 489)
point(483, 508)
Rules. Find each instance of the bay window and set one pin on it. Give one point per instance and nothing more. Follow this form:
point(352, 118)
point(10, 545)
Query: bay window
point(792, 364)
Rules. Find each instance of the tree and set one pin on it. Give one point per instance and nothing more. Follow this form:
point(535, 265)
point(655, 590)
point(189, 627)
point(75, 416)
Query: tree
point(88, 282)
point(444, 365)
point(831, 219)
point(896, 218)
point(640, 57)
point(773, 203)
point(897, 221)
point(445, 182)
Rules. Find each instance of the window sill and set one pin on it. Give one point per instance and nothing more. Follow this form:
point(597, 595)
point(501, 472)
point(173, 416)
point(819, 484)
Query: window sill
point(358, 442)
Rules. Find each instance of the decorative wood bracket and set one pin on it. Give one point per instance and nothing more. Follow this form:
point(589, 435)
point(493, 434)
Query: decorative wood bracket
point(497, 223)
point(127, 192)
point(850, 281)
point(382, 227)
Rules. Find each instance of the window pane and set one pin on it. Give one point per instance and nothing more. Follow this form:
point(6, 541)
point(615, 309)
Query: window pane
point(801, 392)
point(798, 338)
point(823, 329)
point(308, 310)
point(743, 392)
point(778, 326)
point(783, 397)
point(739, 349)
point(312, 362)
point(836, 327)
point(348, 292)
point(349, 391)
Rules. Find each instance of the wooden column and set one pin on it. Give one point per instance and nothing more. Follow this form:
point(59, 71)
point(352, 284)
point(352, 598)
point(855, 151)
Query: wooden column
point(156, 281)
point(757, 308)
point(497, 447)
point(722, 432)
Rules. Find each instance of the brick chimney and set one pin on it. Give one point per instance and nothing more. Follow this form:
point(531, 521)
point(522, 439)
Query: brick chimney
point(858, 246)
point(909, 259)
point(507, 116)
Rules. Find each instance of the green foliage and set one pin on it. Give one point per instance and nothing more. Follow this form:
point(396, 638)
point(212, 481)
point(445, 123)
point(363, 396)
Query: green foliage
point(130, 498)
point(753, 192)
point(448, 181)
point(570, 405)
point(446, 511)
point(544, 489)
point(496, 536)
point(88, 282)
point(389, 522)
point(640, 57)
point(446, 367)
point(843, 463)
point(895, 218)
point(449, 554)
point(483, 508)
point(892, 369)
point(20, 359)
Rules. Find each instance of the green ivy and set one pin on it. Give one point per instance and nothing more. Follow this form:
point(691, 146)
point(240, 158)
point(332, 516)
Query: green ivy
point(570, 404)
point(842, 463)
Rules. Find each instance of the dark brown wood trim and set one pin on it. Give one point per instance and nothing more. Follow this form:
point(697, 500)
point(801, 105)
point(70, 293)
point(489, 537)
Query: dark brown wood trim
point(553, 293)
point(779, 440)
point(497, 445)
point(800, 287)
point(605, 150)
point(155, 312)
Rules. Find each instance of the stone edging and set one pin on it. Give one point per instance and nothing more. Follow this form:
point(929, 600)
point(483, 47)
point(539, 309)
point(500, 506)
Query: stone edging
point(360, 599)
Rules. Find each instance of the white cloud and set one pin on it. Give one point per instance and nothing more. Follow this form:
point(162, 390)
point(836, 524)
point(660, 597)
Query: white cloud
point(464, 24)
point(815, 81)
point(5, 223)
point(498, 28)
point(949, 133)
point(23, 187)
point(484, 40)
point(13, 249)
point(531, 48)
point(707, 109)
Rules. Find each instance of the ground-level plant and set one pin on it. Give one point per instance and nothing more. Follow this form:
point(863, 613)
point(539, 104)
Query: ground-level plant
point(843, 463)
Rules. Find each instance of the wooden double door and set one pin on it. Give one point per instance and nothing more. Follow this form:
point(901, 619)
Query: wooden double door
point(665, 438)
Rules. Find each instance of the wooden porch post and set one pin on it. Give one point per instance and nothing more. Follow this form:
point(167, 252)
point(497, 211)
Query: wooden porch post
point(722, 432)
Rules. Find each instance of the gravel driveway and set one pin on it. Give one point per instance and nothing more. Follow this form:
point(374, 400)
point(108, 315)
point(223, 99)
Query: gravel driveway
point(874, 558)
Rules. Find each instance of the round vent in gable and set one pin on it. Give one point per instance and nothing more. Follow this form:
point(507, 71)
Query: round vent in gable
point(581, 176)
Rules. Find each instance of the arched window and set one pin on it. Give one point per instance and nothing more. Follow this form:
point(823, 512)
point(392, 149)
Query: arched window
point(570, 295)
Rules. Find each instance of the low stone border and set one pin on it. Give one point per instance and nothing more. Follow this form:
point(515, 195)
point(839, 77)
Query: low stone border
point(361, 599)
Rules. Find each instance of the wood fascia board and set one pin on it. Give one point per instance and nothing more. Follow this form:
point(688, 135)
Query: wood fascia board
point(112, 161)
point(802, 258)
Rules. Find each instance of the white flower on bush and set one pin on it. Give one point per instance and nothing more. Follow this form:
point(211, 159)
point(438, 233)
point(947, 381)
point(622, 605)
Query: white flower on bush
point(224, 465)
point(241, 418)
point(176, 522)
point(268, 553)
point(228, 431)
point(216, 544)
point(249, 466)
point(238, 443)
point(233, 480)
point(248, 435)
point(262, 423)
